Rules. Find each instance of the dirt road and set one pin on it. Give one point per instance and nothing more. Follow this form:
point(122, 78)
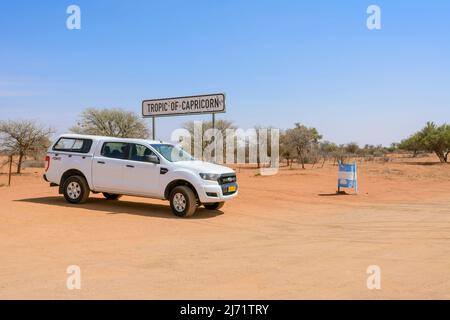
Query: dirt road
point(285, 237)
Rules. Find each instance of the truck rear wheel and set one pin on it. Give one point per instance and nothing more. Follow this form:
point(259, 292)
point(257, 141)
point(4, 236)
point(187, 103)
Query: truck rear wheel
point(111, 196)
point(214, 205)
point(76, 189)
point(183, 201)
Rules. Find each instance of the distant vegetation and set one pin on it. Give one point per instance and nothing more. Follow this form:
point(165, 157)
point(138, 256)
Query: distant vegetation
point(305, 145)
point(300, 144)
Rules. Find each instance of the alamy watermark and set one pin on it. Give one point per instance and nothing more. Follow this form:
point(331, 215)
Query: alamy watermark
point(74, 279)
point(73, 21)
point(374, 278)
point(374, 19)
point(232, 146)
point(373, 22)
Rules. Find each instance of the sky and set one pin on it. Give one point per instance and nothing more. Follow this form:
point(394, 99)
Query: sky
point(278, 62)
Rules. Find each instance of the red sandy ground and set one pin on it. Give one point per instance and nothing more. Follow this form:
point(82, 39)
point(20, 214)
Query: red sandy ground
point(286, 236)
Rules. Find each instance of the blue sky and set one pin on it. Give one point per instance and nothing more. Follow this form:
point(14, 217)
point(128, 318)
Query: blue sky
point(278, 62)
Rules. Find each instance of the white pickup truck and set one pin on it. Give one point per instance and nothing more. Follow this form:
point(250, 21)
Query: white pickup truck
point(80, 164)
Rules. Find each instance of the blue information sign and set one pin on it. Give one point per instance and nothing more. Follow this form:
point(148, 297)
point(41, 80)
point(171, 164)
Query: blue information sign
point(347, 177)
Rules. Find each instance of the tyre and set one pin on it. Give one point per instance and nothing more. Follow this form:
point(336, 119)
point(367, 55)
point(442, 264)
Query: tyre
point(214, 205)
point(111, 196)
point(183, 201)
point(76, 189)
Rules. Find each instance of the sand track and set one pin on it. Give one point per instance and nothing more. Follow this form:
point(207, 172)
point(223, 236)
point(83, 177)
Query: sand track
point(284, 237)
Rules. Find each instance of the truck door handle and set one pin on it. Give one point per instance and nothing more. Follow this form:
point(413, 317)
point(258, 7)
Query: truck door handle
point(101, 162)
point(130, 166)
point(163, 170)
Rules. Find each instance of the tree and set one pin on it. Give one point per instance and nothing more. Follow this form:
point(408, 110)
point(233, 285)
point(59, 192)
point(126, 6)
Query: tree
point(327, 149)
point(302, 139)
point(436, 139)
point(431, 138)
point(352, 148)
point(112, 123)
point(340, 154)
point(285, 149)
point(413, 144)
point(22, 138)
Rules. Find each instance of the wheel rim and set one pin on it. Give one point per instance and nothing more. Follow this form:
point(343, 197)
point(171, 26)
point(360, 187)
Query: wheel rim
point(179, 202)
point(74, 190)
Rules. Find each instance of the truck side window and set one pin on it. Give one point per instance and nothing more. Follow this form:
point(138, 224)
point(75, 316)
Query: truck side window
point(73, 145)
point(116, 150)
point(140, 153)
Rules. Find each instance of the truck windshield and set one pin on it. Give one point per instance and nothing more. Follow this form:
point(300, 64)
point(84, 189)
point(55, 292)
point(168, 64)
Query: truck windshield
point(172, 153)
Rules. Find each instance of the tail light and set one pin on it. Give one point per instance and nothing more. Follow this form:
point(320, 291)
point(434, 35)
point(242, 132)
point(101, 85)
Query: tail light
point(47, 159)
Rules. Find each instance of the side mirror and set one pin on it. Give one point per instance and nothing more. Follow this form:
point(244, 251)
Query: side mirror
point(152, 158)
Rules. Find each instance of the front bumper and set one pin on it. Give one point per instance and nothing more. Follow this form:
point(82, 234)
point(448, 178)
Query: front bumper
point(217, 193)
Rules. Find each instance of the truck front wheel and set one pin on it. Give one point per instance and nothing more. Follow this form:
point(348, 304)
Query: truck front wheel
point(214, 205)
point(76, 189)
point(183, 201)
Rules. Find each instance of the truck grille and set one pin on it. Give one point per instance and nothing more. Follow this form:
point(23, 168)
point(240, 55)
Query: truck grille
point(227, 178)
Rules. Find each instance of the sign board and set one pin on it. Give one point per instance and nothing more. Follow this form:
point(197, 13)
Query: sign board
point(347, 177)
point(208, 103)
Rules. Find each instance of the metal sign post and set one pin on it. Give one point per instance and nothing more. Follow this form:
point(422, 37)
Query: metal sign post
point(214, 137)
point(153, 129)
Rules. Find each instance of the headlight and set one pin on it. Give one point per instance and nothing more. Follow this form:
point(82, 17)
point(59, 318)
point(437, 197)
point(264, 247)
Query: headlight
point(210, 176)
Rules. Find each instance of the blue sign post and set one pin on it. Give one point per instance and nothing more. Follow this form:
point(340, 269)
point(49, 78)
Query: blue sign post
point(347, 177)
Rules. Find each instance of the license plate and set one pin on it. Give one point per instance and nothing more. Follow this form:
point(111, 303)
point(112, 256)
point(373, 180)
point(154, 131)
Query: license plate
point(231, 188)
